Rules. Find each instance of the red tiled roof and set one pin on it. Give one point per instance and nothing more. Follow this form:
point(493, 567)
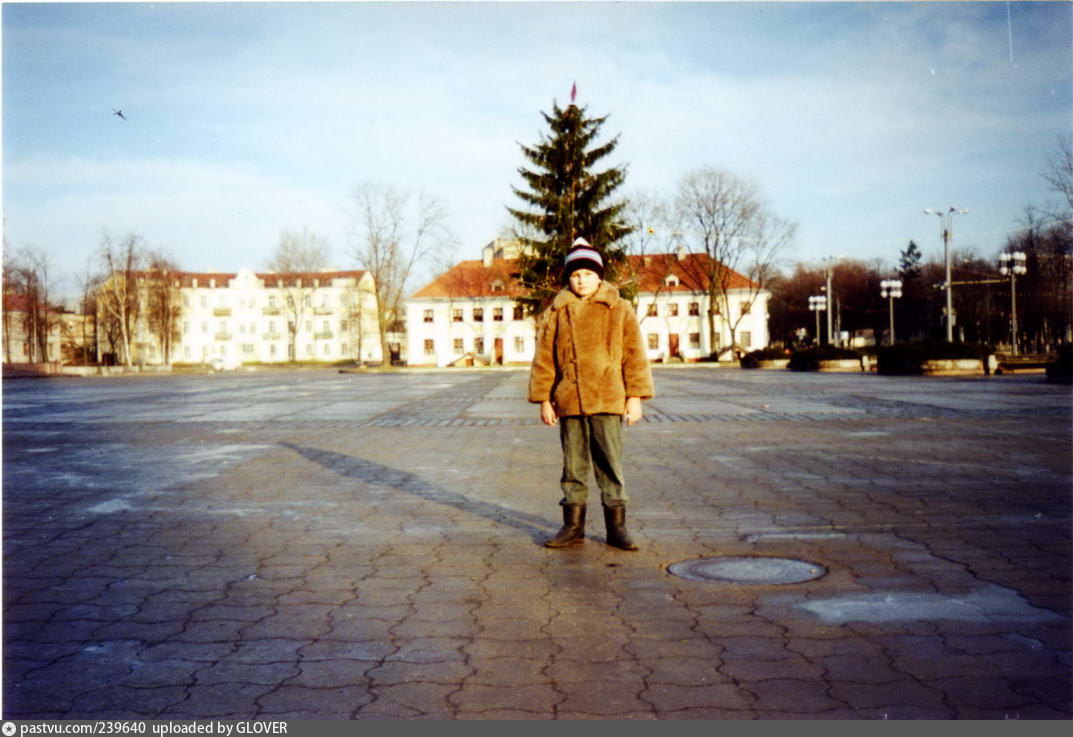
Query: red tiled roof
point(693, 271)
point(473, 279)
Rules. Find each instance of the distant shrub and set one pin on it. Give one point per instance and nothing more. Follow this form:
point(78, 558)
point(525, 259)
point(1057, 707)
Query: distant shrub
point(908, 359)
point(753, 358)
point(1061, 369)
point(809, 359)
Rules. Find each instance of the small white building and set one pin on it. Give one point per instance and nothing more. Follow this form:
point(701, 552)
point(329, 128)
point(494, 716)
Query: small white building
point(467, 316)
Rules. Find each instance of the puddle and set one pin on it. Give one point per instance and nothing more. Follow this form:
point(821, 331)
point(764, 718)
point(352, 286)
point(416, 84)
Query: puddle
point(983, 605)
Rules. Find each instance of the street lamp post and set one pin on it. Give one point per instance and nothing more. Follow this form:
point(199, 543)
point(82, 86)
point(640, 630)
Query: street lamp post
point(1013, 264)
point(890, 289)
point(945, 224)
point(818, 304)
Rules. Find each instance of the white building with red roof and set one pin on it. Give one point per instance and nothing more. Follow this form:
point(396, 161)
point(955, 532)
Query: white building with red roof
point(247, 317)
point(467, 316)
point(258, 318)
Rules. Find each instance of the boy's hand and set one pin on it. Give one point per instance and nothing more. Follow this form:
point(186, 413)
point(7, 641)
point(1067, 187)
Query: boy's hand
point(547, 413)
point(633, 413)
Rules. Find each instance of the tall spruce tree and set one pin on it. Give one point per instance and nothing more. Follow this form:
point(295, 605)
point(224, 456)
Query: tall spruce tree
point(567, 199)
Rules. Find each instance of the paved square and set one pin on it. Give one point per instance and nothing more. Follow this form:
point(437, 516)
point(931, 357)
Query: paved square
point(313, 544)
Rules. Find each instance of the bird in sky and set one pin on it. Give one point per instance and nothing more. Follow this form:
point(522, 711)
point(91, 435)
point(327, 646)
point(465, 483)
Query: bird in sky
point(119, 113)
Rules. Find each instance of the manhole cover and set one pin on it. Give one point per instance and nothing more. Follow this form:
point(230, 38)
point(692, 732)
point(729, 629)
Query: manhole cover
point(748, 570)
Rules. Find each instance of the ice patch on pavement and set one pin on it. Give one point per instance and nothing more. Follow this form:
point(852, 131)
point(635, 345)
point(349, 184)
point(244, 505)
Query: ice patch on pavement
point(768, 536)
point(983, 605)
point(110, 507)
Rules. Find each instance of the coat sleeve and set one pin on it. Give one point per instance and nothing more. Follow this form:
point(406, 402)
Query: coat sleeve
point(542, 372)
point(636, 373)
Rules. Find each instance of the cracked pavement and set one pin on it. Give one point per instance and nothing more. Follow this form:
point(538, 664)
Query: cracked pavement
point(323, 545)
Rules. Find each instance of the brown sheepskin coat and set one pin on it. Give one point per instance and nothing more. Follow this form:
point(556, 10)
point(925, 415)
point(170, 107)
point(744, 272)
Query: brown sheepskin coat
point(589, 355)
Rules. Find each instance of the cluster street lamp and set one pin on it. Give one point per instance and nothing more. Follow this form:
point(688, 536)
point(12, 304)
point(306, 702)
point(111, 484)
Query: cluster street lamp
point(1013, 264)
point(818, 304)
point(891, 289)
point(945, 223)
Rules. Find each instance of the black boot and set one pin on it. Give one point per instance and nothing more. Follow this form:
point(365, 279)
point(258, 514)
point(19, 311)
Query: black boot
point(617, 535)
point(573, 530)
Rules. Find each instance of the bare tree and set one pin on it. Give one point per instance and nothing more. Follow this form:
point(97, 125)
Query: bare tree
point(119, 299)
point(1059, 173)
point(163, 301)
point(298, 257)
point(721, 216)
point(27, 277)
point(89, 282)
point(651, 230)
point(394, 233)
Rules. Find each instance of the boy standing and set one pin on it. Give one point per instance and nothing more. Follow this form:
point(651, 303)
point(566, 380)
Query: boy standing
point(590, 373)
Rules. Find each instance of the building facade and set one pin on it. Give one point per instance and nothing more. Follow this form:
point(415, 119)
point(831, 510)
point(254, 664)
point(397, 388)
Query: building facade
point(468, 315)
point(248, 317)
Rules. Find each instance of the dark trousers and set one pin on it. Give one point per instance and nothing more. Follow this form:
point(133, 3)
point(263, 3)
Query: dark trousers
point(592, 441)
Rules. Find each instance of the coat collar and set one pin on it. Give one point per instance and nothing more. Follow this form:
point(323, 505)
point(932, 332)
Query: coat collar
point(606, 294)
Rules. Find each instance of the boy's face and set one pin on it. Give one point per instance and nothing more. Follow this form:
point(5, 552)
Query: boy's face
point(584, 282)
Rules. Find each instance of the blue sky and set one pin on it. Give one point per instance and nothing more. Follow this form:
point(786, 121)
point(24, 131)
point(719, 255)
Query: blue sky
point(248, 118)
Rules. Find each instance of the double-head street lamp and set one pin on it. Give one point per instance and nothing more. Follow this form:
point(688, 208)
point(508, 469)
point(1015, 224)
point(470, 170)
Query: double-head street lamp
point(891, 289)
point(818, 304)
point(945, 222)
point(1013, 264)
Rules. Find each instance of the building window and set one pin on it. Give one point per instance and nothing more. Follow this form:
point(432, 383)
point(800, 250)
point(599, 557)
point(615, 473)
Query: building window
point(653, 341)
point(459, 346)
point(746, 339)
point(694, 309)
point(430, 347)
point(204, 301)
point(478, 345)
point(342, 326)
point(519, 312)
point(497, 314)
point(653, 310)
point(519, 345)
point(204, 328)
point(327, 349)
point(428, 315)
point(694, 340)
point(746, 307)
point(673, 306)
point(456, 315)
point(478, 314)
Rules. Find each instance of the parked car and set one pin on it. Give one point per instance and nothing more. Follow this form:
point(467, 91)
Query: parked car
point(223, 364)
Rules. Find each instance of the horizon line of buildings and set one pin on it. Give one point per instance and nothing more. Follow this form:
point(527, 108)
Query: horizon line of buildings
point(465, 316)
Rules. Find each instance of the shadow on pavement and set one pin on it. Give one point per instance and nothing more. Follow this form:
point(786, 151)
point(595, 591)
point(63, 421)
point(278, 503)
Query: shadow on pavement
point(536, 527)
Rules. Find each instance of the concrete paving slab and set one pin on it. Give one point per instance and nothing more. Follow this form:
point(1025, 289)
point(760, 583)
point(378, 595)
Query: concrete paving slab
point(309, 544)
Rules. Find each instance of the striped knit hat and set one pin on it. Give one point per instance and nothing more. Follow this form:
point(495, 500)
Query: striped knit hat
point(582, 256)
